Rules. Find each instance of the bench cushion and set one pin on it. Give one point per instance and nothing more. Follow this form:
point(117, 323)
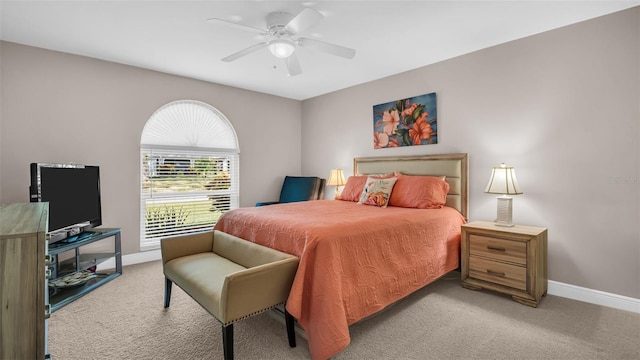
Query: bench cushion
point(202, 276)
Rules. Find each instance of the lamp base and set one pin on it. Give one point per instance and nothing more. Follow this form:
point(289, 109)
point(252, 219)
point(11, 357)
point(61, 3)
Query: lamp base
point(505, 206)
point(503, 225)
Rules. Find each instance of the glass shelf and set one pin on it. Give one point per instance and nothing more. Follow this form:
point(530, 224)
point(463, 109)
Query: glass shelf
point(61, 296)
point(87, 261)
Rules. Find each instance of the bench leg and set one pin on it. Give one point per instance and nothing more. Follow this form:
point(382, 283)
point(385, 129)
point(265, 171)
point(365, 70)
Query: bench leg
point(227, 341)
point(167, 292)
point(291, 332)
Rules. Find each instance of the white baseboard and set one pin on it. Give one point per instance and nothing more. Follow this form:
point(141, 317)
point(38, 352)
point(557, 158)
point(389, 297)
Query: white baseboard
point(132, 259)
point(593, 296)
point(141, 257)
point(554, 288)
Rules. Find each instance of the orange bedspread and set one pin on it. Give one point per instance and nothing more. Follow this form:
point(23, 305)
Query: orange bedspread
point(354, 259)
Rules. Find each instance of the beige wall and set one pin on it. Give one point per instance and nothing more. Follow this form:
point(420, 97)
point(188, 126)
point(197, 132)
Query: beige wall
point(58, 107)
point(562, 107)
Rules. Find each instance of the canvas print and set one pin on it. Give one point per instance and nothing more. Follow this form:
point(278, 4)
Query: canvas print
point(406, 122)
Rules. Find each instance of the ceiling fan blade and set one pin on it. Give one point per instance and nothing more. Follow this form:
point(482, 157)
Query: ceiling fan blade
point(332, 49)
point(236, 25)
point(303, 21)
point(293, 65)
point(244, 52)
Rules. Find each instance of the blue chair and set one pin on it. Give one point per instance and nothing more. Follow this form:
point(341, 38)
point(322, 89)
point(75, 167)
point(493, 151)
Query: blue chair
point(299, 188)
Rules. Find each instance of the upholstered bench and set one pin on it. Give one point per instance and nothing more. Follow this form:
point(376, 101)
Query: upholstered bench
point(229, 277)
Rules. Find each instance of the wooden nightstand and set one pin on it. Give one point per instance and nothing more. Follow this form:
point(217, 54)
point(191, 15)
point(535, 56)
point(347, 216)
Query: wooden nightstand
point(511, 260)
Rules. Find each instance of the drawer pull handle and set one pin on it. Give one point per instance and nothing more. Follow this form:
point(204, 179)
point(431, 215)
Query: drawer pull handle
point(496, 248)
point(495, 273)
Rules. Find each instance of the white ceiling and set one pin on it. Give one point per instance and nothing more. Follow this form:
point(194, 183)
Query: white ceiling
point(389, 36)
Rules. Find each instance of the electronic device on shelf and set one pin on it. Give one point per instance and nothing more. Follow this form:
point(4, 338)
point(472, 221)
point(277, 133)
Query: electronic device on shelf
point(73, 194)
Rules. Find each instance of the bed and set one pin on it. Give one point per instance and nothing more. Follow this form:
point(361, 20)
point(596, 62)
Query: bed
point(357, 259)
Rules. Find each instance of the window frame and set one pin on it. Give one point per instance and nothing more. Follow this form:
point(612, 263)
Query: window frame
point(181, 154)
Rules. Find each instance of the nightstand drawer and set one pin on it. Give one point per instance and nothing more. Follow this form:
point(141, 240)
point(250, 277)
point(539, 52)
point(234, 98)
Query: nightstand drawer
point(499, 249)
point(512, 276)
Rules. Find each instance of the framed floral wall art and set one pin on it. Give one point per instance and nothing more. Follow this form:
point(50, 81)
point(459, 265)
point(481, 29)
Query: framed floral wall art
point(406, 122)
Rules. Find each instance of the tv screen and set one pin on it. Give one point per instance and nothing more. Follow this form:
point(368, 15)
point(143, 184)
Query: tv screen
point(73, 193)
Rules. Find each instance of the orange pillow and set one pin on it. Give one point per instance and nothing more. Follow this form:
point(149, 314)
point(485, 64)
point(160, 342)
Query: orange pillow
point(355, 184)
point(353, 188)
point(422, 192)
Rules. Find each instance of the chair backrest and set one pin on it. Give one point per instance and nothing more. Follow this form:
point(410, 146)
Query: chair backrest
point(301, 188)
point(323, 183)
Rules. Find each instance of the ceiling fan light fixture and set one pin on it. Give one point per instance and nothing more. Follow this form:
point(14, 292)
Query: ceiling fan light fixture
point(281, 48)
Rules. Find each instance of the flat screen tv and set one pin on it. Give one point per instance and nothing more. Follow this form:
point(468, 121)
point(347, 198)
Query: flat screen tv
point(73, 193)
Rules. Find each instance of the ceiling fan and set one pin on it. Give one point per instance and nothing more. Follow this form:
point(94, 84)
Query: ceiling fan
point(282, 29)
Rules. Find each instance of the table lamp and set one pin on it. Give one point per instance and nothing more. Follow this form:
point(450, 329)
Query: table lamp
point(503, 181)
point(336, 178)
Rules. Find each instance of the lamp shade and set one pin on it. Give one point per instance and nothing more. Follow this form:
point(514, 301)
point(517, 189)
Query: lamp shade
point(503, 181)
point(336, 178)
point(281, 48)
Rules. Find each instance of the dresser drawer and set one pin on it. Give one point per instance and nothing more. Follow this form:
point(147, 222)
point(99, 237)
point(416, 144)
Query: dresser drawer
point(513, 276)
point(498, 249)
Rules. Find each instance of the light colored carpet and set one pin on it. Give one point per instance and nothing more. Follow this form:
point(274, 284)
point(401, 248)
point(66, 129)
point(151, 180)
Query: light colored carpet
point(125, 319)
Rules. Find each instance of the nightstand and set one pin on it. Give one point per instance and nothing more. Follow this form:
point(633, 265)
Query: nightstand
point(510, 260)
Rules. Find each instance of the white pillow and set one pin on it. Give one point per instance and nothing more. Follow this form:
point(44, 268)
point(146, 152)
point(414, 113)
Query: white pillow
point(377, 191)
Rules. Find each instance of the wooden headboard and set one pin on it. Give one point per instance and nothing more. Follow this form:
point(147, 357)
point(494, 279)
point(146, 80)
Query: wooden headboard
point(454, 167)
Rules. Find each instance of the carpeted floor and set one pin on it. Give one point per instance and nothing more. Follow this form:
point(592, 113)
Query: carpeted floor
point(125, 319)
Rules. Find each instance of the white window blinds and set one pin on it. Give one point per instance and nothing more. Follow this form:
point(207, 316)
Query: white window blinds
point(185, 191)
point(189, 161)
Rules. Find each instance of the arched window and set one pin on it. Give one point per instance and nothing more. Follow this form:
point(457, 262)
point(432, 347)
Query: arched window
point(189, 171)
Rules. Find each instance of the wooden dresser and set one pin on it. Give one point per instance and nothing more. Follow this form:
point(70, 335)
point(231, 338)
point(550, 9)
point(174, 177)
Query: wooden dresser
point(23, 282)
point(511, 260)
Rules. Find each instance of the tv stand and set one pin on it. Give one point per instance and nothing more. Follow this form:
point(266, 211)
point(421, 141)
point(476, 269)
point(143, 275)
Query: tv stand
point(74, 271)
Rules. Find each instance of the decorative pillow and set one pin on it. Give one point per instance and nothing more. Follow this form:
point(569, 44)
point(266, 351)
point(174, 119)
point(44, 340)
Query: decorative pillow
point(422, 192)
point(353, 188)
point(377, 192)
